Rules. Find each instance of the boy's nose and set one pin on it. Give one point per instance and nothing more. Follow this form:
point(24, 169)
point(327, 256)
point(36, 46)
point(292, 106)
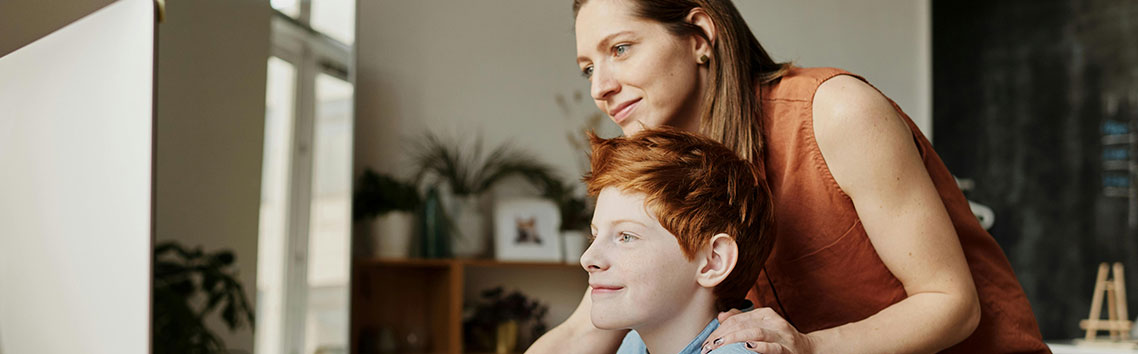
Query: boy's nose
point(591, 260)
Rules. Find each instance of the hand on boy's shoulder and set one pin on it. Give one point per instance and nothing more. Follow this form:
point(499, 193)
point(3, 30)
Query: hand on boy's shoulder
point(733, 348)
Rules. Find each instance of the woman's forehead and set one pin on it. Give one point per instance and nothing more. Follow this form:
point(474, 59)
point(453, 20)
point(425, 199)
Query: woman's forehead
point(599, 19)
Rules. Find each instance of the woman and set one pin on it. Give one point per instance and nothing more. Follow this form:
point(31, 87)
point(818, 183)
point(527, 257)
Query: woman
point(876, 250)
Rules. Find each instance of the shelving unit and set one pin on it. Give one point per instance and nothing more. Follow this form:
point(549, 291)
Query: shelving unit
point(1120, 162)
point(421, 300)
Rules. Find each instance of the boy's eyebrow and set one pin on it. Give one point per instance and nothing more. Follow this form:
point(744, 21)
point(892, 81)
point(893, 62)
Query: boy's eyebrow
point(621, 221)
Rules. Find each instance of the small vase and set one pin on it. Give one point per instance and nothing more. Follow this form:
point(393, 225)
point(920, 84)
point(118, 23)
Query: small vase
point(433, 240)
point(468, 234)
point(507, 337)
point(391, 235)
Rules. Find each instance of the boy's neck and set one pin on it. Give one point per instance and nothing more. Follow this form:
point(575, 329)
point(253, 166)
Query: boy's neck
point(677, 331)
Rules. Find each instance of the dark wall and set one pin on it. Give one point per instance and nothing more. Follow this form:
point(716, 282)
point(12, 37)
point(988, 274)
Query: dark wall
point(1021, 91)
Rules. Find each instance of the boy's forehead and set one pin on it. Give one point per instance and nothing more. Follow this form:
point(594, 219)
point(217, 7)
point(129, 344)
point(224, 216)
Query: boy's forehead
point(614, 204)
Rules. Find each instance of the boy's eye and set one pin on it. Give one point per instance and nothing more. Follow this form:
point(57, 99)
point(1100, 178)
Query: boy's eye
point(587, 72)
point(624, 237)
point(620, 49)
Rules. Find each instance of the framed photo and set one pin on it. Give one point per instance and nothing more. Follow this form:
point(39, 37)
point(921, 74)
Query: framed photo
point(527, 230)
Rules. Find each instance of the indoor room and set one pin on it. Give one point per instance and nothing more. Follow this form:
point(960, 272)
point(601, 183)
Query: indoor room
point(371, 176)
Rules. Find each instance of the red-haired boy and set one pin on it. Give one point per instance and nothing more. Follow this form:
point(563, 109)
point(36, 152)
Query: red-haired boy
point(680, 232)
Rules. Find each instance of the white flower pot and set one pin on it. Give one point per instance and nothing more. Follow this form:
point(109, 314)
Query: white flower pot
point(391, 235)
point(575, 245)
point(469, 233)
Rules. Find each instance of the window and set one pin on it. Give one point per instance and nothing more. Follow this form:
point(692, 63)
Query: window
point(304, 241)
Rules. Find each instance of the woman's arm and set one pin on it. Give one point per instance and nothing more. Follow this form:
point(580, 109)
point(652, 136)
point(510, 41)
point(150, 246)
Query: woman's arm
point(578, 335)
point(872, 156)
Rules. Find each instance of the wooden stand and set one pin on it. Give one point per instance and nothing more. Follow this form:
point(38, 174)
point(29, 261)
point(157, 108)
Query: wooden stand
point(1117, 322)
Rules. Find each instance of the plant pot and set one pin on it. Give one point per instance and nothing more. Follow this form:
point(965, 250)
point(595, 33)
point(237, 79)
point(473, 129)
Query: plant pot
point(468, 235)
point(575, 245)
point(507, 338)
point(391, 235)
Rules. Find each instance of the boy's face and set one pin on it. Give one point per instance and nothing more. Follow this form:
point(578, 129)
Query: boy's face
point(638, 273)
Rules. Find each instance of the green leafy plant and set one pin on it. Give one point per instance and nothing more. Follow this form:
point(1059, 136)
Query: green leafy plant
point(190, 285)
point(469, 172)
point(496, 307)
point(377, 194)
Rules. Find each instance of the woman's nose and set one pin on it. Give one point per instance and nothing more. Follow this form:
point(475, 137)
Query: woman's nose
point(604, 84)
point(592, 260)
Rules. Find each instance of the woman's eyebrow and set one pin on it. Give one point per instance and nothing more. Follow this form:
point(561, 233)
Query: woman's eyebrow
point(604, 43)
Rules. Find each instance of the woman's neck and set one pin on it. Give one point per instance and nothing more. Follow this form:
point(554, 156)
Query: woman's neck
point(677, 330)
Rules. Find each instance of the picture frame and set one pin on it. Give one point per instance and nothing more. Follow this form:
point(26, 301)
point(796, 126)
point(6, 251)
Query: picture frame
point(527, 229)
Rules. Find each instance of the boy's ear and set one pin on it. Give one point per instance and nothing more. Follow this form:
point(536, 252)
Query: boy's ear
point(717, 263)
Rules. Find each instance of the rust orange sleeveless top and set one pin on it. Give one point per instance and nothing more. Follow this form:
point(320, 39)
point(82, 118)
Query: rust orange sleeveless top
point(823, 271)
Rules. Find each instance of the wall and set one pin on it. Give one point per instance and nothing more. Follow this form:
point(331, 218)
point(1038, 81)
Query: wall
point(496, 68)
point(75, 191)
point(886, 41)
point(1023, 89)
point(212, 60)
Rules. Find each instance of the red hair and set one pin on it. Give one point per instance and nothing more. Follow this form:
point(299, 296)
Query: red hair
point(697, 188)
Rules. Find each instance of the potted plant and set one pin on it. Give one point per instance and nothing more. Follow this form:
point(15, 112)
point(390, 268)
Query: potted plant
point(498, 321)
point(468, 174)
point(390, 204)
point(189, 286)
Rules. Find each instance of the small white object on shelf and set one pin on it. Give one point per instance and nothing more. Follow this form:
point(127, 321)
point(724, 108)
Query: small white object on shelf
point(391, 235)
point(575, 245)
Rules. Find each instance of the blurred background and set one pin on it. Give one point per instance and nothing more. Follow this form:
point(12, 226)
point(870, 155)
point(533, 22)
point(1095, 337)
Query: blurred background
point(334, 176)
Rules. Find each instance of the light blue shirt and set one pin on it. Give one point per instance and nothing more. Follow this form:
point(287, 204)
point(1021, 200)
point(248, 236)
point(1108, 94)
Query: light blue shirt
point(633, 344)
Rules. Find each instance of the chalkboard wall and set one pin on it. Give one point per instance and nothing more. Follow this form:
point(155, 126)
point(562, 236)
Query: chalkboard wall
point(1022, 93)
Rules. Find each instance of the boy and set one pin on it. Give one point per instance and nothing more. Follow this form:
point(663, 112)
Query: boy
point(680, 233)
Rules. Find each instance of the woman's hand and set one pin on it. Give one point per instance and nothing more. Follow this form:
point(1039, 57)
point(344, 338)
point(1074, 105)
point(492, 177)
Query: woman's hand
point(760, 331)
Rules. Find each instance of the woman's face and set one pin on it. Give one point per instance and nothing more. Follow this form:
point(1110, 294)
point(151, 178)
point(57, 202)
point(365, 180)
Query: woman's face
point(640, 74)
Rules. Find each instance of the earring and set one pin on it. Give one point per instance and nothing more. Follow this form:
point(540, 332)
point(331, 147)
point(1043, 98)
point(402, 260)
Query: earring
point(703, 59)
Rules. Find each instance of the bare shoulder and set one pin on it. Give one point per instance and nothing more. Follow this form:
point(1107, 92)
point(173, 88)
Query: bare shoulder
point(847, 102)
point(859, 133)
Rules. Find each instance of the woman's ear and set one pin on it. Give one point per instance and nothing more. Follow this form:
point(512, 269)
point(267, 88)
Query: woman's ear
point(718, 262)
point(703, 47)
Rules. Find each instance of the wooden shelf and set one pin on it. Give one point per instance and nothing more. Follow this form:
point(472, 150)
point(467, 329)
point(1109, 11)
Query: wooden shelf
point(443, 263)
point(425, 297)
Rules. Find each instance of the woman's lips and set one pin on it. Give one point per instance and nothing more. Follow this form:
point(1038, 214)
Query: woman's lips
point(625, 110)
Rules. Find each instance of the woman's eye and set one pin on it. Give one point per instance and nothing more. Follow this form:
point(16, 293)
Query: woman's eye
point(624, 237)
point(587, 72)
point(619, 50)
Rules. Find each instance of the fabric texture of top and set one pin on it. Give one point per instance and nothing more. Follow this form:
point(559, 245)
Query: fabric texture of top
point(823, 271)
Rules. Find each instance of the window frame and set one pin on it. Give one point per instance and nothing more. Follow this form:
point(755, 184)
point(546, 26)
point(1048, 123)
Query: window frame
point(311, 53)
